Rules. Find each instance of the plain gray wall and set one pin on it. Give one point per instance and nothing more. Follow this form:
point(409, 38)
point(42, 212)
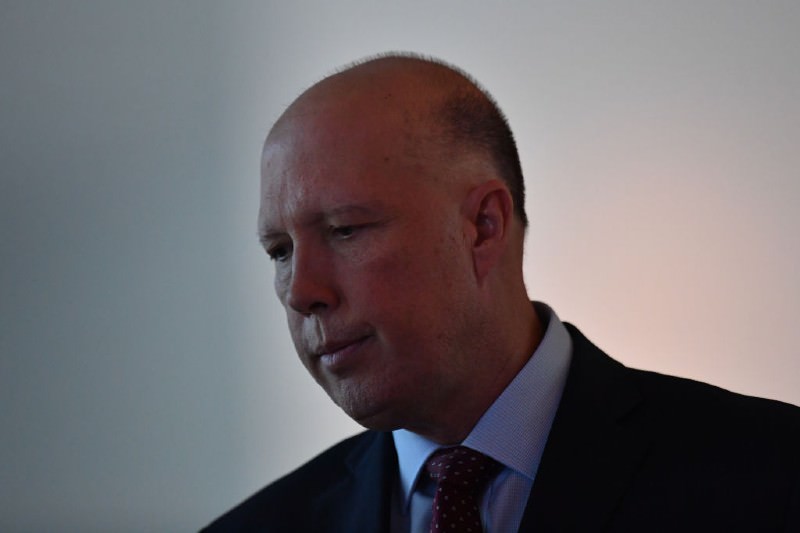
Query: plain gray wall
point(146, 378)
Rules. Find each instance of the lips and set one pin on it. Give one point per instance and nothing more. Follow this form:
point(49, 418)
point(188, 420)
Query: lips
point(331, 347)
point(338, 354)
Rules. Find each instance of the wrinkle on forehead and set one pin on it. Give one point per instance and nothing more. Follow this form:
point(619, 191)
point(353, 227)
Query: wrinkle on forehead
point(386, 104)
point(306, 178)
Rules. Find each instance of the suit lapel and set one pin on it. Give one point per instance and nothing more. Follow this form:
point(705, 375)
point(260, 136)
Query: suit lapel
point(361, 502)
point(590, 456)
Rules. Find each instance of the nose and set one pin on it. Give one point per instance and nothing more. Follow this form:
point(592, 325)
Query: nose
point(311, 288)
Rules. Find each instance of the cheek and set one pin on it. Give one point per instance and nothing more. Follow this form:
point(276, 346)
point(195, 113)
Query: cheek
point(281, 283)
point(388, 273)
point(408, 285)
point(295, 323)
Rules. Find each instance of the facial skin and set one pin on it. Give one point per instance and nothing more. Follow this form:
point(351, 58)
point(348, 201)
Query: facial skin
point(389, 258)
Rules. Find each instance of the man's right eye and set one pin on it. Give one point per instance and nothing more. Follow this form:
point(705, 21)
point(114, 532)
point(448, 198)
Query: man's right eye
point(278, 253)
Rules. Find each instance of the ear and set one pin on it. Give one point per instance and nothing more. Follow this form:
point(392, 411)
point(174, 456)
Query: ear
point(488, 209)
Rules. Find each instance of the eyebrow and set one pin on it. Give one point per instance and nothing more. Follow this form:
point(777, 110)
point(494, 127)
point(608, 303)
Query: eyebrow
point(266, 233)
point(264, 237)
point(347, 209)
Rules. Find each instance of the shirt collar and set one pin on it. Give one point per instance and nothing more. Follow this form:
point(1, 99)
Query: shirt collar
point(514, 429)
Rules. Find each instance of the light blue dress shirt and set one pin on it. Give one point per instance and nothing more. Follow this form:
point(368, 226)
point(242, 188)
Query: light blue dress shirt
point(513, 431)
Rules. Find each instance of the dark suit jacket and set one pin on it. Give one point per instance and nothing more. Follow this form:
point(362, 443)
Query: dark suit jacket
point(628, 451)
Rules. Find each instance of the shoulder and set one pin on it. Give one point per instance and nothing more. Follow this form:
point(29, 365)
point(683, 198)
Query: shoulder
point(699, 400)
point(670, 401)
point(720, 453)
point(287, 500)
point(724, 422)
point(683, 452)
point(691, 424)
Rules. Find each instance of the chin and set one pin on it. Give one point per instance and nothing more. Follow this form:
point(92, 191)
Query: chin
point(378, 418)
point(379, 423)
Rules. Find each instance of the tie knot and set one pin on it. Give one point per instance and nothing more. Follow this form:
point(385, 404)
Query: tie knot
point(461, 468)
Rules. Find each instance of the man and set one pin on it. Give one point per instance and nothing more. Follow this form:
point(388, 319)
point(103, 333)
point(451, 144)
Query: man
point(392, 205)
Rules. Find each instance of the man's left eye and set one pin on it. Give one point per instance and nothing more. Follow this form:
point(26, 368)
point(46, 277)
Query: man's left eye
point(343, 232)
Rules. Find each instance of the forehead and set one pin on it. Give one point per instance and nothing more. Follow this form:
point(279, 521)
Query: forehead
point(321, 160)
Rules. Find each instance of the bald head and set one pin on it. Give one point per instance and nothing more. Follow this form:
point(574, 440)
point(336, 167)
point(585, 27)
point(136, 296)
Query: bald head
point(435, 108)
point(387, 207)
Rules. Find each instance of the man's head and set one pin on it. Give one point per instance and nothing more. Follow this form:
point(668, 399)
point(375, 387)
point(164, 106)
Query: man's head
point(392, 206)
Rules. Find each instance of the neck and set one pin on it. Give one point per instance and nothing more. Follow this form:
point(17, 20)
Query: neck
point(497, 366)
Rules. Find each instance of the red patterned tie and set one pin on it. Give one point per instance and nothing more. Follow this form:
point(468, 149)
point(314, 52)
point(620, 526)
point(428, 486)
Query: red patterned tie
point(460, 475)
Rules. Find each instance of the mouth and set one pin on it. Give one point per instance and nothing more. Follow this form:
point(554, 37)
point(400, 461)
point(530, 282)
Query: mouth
point(337, 355)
